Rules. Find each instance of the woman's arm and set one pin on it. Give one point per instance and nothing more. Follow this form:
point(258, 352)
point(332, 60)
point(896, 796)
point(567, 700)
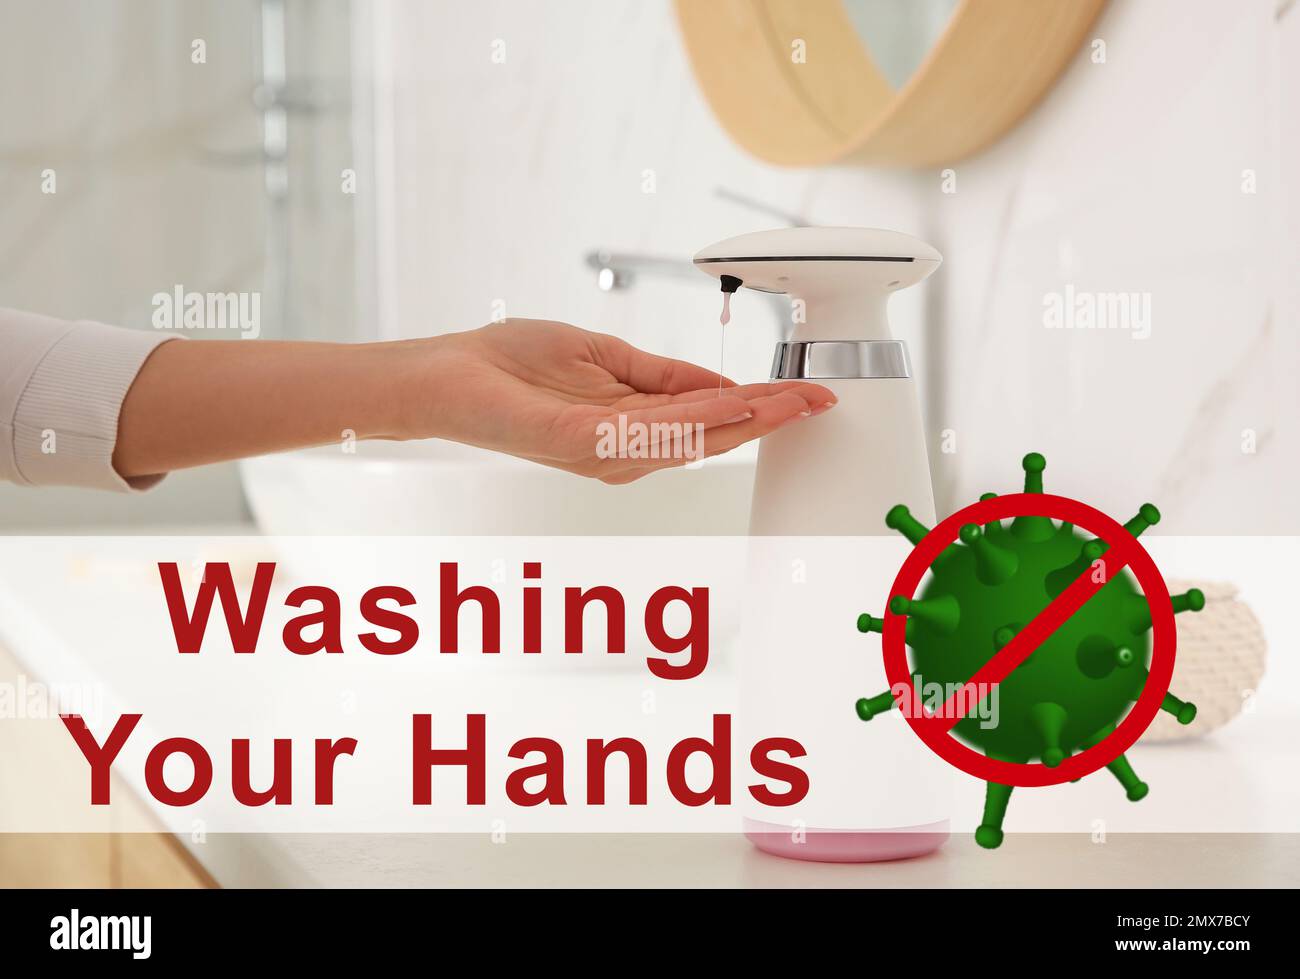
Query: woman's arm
point(203, 402)
point(532, 388)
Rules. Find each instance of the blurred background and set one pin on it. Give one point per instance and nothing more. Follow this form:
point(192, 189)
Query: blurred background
point(389, 169)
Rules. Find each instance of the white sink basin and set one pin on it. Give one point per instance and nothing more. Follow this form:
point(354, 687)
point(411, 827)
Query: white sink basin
point(442, 488)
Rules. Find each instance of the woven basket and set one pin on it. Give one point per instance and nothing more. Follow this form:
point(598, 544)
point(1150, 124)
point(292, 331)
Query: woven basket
point(1221, 654)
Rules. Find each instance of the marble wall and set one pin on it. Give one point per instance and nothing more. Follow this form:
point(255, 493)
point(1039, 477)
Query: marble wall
point(524, 135)
point(1162, 172)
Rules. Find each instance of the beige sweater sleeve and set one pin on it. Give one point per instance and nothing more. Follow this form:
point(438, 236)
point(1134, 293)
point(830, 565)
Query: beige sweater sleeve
point(61, 388)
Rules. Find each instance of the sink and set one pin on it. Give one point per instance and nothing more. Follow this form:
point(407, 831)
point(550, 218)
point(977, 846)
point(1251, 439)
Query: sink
point(443, 488)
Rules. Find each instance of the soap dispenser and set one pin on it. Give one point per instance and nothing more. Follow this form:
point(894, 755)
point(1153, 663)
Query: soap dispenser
point(835, 476)
point(869, 452)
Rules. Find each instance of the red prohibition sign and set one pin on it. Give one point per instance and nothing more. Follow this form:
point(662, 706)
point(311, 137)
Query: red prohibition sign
point(1123, 551)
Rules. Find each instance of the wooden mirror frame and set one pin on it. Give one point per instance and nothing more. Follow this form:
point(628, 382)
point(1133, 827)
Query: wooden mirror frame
point(993, 62)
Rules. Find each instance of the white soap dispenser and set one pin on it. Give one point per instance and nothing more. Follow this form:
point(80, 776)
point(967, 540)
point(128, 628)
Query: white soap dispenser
point(871, 448)
point(836, 475)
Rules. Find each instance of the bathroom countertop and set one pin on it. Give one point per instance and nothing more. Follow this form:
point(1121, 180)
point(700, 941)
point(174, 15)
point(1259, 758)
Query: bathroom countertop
point(1168, 860)
point(1233, 823)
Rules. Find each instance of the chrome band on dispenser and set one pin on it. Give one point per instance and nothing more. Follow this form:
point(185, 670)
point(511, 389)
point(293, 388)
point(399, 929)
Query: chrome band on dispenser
point(800, 360)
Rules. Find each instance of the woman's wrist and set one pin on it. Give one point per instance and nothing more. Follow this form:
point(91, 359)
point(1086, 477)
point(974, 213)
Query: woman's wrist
point(407, 385)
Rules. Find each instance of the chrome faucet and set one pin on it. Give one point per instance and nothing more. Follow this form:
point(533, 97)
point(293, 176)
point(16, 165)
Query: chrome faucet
point(619, 270)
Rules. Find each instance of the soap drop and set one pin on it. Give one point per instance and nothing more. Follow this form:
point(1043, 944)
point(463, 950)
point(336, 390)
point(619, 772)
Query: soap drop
point(724, 319)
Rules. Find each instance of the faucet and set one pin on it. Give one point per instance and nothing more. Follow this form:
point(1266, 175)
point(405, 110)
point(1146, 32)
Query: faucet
point(616, 271)
point(619, 270)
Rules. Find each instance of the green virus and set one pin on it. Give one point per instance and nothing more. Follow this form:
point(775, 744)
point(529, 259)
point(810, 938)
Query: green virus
point(1073, 690)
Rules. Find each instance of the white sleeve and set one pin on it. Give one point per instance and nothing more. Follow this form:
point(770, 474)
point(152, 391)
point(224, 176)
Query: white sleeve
point(61, 388)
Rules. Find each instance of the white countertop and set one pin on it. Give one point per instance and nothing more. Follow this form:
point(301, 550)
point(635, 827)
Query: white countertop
point(1155, 860)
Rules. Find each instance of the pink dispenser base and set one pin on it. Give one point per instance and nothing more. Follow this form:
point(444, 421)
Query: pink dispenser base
point(847, 846)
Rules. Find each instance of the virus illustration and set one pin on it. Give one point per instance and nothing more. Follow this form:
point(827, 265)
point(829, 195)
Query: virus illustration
point(1075, 687)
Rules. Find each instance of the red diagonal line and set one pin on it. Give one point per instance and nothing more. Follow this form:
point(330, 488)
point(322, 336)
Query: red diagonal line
point(1051, 618)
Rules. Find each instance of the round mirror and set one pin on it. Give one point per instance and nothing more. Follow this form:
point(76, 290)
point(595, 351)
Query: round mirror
point(901, 82)
point(898, 36)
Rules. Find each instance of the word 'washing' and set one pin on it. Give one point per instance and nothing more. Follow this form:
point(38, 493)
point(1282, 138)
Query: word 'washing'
point(376, 607)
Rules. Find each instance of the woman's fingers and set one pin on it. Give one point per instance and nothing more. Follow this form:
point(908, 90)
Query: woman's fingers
point(645, 432)
point(585, 434)
point(815, 395)
point(768, 414)
point(726, 409)
point(651, 373)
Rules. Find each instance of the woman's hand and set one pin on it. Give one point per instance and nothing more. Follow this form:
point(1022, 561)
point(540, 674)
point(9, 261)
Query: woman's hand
point(555, 394)
point(532, 388)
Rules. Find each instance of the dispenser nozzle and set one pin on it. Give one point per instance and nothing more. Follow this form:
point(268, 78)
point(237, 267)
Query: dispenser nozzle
point(730, 283)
